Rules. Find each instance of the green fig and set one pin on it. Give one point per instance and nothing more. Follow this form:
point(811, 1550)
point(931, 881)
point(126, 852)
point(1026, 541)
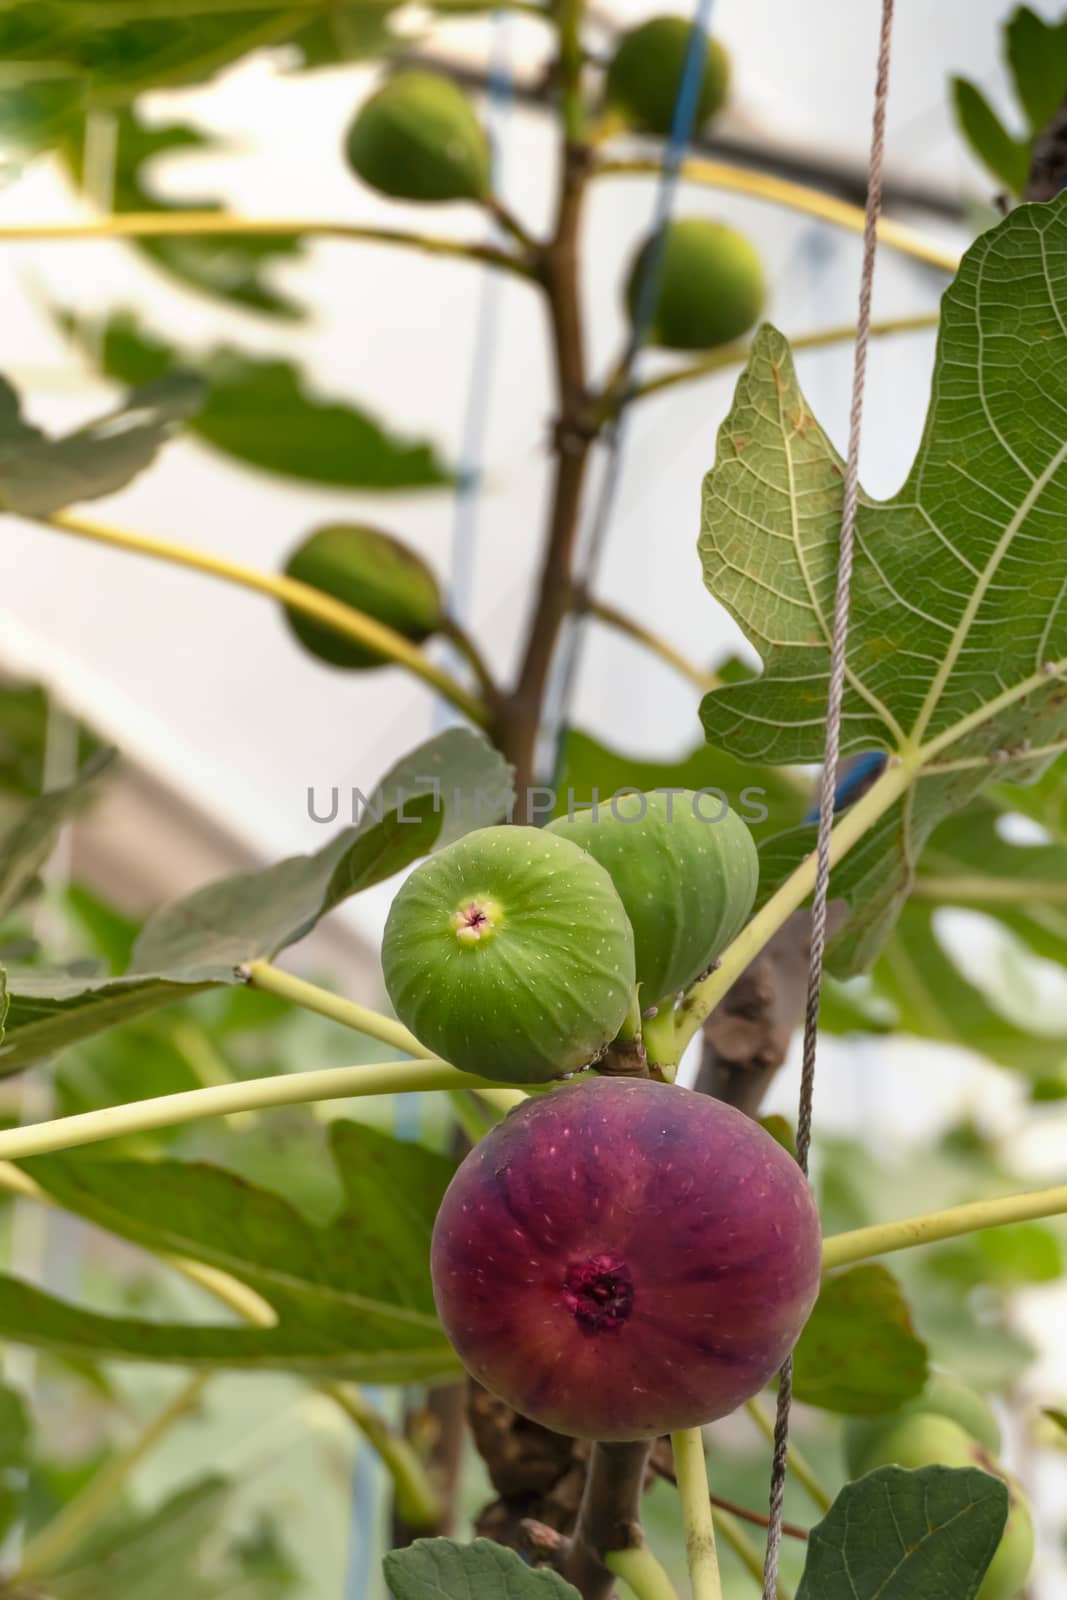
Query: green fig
point(418, 138)
point(371, 571)
point(943, 1396)
point(509, 954)
point(644, 77)
point(686, 870)
point(924, 1439)
point(710, 288)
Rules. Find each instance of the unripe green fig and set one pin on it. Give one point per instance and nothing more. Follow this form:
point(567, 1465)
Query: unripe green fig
point(924, 1439)
point(418, 138)
point(509, 954)
point(710, 286)
point(943, 1396)
point(644, 78)
point(686, 870)
point(371, 571)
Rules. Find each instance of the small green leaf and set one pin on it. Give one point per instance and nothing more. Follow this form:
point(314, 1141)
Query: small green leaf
point(443, 1569)
point(26, 846)
point(40, 475)
point(1037, 56)
point(859, 1353)
point(48, 1011)
point(263, 413)
point(352, 1296)
point(898, 1535)
point(375, 573)
point(1008, 159)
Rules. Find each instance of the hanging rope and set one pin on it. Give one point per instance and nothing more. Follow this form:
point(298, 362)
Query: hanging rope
point(833, 743)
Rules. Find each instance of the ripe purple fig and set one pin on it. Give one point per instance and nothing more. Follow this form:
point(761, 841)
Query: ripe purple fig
point(620, 1259)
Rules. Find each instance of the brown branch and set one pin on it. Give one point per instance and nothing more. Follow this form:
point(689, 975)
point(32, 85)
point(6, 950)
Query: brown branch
point(743, 1513)
point(609, 1516)
point(518, 718)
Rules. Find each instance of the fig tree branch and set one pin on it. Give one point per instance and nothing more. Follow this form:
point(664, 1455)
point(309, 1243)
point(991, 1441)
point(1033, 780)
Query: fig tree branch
point(302, 597)
point(609, 1517)
point(220, 224)
point(794, 197)
point(730, 1507)
point(861, 1244)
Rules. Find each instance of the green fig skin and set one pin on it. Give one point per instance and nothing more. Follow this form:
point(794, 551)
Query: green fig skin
point(644, 78)
point(711, 287)
point(688, 883)
point(943, 1396)
point(373, 572)
point(510, 955)
point(926, 1439)
point(418, 138)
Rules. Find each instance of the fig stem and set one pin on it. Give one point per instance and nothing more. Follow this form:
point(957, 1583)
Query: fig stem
point(794, 197)
point(302, 597)
point(195, 1105)
point(799, 1465)
point(692, 1474)
point(660, 1036)
point(642, 1572)
point(222, 224)
point(860, 1244)
point(415, 1494)
point(634, 629)
point(361, 1019)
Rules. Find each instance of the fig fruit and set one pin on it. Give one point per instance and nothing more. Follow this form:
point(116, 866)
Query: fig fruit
point(418, 138)
point(509, 954)
point(373, 572)
point(644, 77)
point(943, 1396)
point(620, 1258)
point(924, 1439)
point(710, 285)
point(686, 870)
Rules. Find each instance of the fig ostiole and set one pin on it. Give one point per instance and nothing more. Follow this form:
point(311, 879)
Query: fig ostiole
point(619, 1259)
point(510, 954)
point(687, 875)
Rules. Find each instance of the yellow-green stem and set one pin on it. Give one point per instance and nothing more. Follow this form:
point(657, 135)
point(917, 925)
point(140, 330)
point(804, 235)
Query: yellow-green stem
point(220, 224)
point(302, 597)
point(692, 1475)
point(195, 1105)
point(361, 1019)
point(799, 1465)
point(747, 1552)
point(842, 1249)
point(78, 1518)
point(660, 1035)
point(701, 1000)
point(613, 618)
point(794, 197)
point(642, 1573)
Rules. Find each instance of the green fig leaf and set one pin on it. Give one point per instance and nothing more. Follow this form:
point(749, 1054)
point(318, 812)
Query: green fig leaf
point(38, 101)
point(1007, 158)
point(443, 1569)
point(262, 413)
point(15, 1436)
point(353, 1296)
point(40, 474)
point(966, 552)
point(1037, 57)
point(859, 1353)
point(440, 791)
point(27, 844)
point(895, 1535)
point(231, 269)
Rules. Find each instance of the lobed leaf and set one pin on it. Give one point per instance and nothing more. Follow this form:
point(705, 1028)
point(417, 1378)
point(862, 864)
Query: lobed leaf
point(443, 1569)
point(859, 1353)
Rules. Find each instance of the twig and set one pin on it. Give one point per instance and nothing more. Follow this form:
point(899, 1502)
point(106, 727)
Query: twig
point(799, 1465)
point(731, 1507)
point(743, 1548)
point(860, 1244)
point(640, 1570)
point(704, 681)
point(608, 1517)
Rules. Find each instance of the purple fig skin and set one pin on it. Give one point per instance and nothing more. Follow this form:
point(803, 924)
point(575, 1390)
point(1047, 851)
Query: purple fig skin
point(621, 1259)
